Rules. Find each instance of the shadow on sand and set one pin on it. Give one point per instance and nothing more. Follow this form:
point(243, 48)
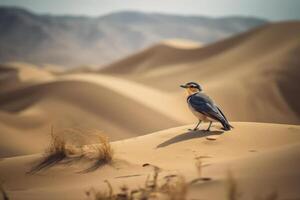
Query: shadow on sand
point(97, 165)
point(47, 162)
point(188, 136)
point(59, 158)
point(52, 160)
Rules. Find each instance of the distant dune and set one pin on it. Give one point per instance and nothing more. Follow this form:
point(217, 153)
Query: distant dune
point(15, 74)
point(253, 76)
point(160, 55)
point(181, 43)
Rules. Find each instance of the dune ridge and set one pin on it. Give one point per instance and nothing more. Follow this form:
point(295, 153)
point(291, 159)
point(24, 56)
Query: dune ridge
point(103, 102)
point(262, 157)
point(260, 64)
point(252, 77)
point(234, 49)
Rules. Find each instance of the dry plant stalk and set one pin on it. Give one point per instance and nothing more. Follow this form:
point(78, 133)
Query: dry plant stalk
point(57, 145)
point(198, 165)
point(232, 187)
point(102, 152)
point(174, 188)
point(55, 153)
point(105, 151)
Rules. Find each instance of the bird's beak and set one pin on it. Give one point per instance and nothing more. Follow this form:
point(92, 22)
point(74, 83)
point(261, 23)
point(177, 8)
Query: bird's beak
point(183, 86)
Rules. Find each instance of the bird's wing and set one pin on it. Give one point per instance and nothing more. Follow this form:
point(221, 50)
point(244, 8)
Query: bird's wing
point(222, 113)
point(205, 105)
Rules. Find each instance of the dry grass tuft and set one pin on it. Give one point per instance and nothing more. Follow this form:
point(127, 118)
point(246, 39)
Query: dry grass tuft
point(56, 152)
point(102, 152)
point(174, 187)
point(63, 151)
point(199, 165)
point(98, 195)
point(175, 190)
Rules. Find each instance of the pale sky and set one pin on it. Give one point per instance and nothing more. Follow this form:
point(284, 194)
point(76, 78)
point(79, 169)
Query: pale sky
point(275, 10)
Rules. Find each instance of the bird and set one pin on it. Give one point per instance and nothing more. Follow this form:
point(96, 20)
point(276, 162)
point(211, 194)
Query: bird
point(203, 107)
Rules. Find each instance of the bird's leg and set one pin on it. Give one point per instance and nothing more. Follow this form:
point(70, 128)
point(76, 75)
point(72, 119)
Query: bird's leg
point(208, 129)
point(196, 128)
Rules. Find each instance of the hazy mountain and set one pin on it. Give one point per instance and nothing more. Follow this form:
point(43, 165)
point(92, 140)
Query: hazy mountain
point(75, 40)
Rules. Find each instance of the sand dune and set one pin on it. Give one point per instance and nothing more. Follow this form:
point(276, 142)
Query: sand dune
point(86, 101)
point(181, 43)
point(260, 41)
point(15, 74)
point(263, 158)
point(166, 53)
point(253, 76)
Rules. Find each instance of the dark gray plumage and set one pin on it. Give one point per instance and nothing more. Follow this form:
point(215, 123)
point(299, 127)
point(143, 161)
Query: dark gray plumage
point(203, 107)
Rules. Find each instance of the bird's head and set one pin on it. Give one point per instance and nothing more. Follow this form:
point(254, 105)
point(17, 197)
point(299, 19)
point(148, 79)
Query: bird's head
point(192, 87)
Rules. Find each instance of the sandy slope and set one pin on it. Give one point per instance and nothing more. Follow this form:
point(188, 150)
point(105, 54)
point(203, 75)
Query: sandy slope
point(181, 43)
point(15, 74)
point(166, 53)
point(262, 158)
point(116, 106)
point(253, 76)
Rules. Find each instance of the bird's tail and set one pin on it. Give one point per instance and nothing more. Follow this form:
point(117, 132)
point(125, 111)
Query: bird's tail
point(224, 121)
point(226, 125)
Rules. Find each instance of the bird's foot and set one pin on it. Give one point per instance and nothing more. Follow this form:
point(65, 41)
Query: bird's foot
point(193, 129)
point(207, 129)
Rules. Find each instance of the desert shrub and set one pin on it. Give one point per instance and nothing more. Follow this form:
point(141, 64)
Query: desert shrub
point(173, 187)
point(101, 152)
point(64, 151)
